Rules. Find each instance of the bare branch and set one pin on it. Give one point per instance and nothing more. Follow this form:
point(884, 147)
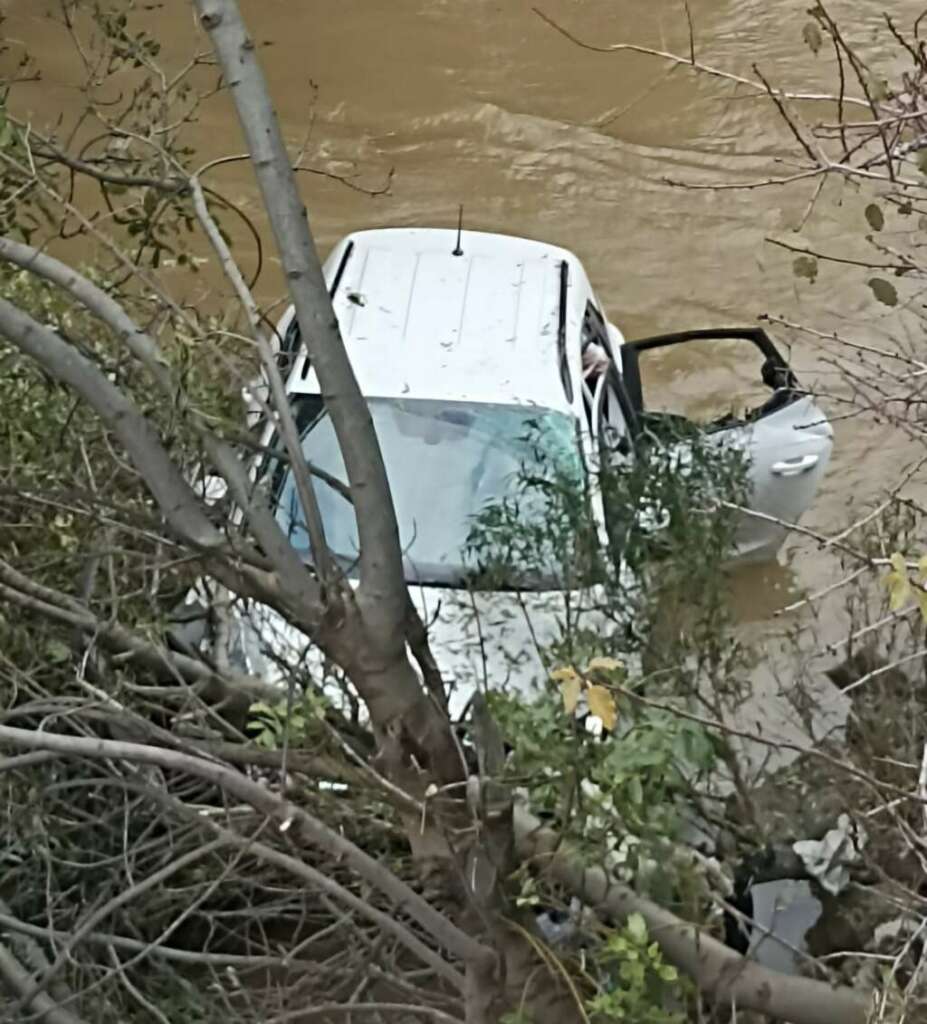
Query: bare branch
point(20, 590)
point(324, 883)
point(373, 1009)
point(861, 77)
point(691, 33)
point(836, 259)
point(19, 982)
point(676, 59)
point(779, 101)
point(381, 564)
point(321, 555)
point(123, 897)
point(169, 953)
point(392, 691)
point(295, 820)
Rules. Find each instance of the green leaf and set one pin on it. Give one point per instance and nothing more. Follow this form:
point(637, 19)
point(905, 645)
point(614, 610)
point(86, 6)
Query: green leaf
point(57, 652)
point(637, 928)
point(884, 291)
point(635, 790)
point(875, 217)
point(812, 36)
point(805, 266)
point(266, 740)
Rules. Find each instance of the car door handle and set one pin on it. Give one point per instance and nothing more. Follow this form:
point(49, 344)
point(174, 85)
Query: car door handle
point(792, 467)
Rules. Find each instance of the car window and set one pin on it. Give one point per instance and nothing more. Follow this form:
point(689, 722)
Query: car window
point(707, 381)
point(594, 329)
point(289, 346)
point(447, 463)
point(612, 427)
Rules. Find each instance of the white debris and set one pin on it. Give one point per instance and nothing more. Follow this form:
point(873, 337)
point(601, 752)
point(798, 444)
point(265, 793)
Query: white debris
point(828, 860)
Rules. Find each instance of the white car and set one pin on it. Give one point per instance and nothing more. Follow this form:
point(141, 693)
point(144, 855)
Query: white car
point(469, 349)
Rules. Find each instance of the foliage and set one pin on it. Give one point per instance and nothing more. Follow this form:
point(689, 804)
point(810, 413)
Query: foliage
point(646, 656)
point(632, 781)
point(642, 983)
point(901, 587)
point(298, 723)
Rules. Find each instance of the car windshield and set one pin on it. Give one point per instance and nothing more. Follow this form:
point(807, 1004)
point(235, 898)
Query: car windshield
point(447, 463)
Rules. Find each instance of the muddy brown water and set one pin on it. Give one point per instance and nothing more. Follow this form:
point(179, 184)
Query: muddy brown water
point(483, 104)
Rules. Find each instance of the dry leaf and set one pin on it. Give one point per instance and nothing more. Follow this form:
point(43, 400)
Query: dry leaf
point(602, 705)
point(571, 684)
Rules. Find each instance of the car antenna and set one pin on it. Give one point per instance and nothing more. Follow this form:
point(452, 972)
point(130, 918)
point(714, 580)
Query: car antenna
point(458, 251)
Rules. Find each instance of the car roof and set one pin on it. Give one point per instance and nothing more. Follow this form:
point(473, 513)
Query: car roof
point(420, 321)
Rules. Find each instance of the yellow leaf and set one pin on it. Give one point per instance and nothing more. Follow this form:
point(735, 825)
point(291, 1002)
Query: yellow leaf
point(899, 586)
point(571, 684)
point(605, 665)
point(602, 705)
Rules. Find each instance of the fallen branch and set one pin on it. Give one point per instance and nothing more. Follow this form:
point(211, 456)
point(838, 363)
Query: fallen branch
point(721, 974)
point(19, 982)
point(288, 817)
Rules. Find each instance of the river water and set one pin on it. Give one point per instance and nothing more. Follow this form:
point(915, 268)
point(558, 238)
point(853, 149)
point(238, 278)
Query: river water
point(484, 104)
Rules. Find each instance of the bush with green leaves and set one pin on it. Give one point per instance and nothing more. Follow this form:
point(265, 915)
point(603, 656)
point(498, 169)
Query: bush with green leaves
point(641, 987)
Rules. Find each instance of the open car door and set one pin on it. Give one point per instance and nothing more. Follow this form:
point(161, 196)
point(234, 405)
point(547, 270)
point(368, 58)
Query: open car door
point(733, 387)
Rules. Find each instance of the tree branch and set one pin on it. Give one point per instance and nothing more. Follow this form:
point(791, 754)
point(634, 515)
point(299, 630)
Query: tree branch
point(123, 897)
point(179, 504)
point(382, 672)
point(183, 956)
point(302, 591)
point(19, 982)
point(291, 818)
point(688, 62)
point(381, 564)
point(97, 302)
point(720, 973)
point(321, 555)
point(16, 588)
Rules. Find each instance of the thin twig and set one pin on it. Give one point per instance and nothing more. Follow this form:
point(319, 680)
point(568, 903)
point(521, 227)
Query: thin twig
point(691, 33)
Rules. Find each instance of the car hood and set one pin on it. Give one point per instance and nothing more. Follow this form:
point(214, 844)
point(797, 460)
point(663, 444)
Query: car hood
point(481, 641)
